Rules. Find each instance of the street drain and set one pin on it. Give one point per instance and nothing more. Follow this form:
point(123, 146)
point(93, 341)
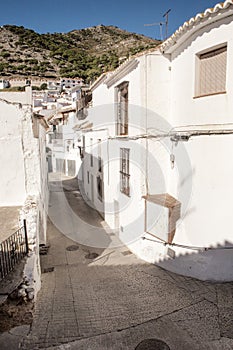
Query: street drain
point(48, 269)
point(72, 248)
point(43, 249)
point(152, 344)
point(91, 256)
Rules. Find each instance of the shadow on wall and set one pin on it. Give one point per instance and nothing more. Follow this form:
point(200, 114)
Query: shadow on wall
point(213, 264)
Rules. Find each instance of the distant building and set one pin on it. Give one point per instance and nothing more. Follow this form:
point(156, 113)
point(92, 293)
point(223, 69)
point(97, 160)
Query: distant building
point(4, 84)
point(64, 83)
point(68, 83)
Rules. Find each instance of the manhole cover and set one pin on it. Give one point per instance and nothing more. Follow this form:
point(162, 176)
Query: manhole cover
point(72, 248)
point(91, 256)
point(152, 344)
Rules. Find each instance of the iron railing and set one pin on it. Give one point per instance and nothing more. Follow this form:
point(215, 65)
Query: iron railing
point(13, 250)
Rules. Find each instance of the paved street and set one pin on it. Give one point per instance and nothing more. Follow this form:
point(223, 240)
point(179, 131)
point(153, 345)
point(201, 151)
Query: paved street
point(105, 298)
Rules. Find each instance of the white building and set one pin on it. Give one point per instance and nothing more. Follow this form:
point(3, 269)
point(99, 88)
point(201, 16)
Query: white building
point(157, 149)
point(68, 83)
point(4, 84)
point(23, 174)
point(61, 142)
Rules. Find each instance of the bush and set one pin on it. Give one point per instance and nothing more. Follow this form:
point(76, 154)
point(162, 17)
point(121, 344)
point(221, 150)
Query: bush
point(5, 54)
point(43, 86)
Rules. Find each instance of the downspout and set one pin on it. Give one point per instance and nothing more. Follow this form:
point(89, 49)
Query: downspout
point(146, 179)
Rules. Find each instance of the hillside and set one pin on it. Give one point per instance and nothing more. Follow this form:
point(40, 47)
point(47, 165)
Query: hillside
point(84, 53)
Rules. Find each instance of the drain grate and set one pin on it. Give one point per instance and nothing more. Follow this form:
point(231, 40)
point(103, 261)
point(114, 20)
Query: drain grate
point(152, 344)
point(43, 249)
point(72, 248)
point(91, 256)
point(48, 269)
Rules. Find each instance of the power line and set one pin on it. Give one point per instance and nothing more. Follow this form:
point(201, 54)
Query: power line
point(185, 246)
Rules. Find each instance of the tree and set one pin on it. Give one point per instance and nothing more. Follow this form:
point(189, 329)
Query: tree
point(43, 86)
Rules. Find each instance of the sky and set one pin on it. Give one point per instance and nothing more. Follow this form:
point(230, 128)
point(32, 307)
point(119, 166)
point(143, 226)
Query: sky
point(62, 16)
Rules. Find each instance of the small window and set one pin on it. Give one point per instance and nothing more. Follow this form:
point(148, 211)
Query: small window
point(88, 177)
point(124, 171)
point(211, 72)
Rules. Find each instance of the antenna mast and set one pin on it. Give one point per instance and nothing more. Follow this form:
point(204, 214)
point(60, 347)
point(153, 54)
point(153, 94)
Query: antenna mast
point(160, 24)
point(166, 21)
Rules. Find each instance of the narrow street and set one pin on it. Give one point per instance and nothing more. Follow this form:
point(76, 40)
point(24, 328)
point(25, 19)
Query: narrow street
point(104, 298)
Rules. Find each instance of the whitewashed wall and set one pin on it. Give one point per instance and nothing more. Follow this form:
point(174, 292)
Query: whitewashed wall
point(12, 175)
point(23, 175)
point(204, 186)
point(162, 87)
point(65, 149)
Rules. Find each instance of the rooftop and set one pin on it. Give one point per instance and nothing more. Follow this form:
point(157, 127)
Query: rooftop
point(194, 21)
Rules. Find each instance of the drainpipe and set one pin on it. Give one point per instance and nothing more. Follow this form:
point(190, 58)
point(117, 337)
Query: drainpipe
point(146, 179)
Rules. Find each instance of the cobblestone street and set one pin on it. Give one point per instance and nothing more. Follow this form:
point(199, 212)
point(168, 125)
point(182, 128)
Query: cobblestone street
point(108, 299)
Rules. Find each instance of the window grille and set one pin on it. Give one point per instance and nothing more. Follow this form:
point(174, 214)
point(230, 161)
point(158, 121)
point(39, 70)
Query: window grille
point(124, 171)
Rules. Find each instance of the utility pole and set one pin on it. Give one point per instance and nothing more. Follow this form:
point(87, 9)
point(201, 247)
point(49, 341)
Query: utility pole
point(166, 21)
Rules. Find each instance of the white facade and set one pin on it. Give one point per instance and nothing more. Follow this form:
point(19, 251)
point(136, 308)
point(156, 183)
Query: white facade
point(63, 146)
point(23, 174)
point(178, 211)
point(4, 84)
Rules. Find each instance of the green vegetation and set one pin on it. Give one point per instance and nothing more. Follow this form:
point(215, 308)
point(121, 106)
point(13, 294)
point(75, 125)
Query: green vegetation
point(14, 89)
point(84, 53)
point(43, 86)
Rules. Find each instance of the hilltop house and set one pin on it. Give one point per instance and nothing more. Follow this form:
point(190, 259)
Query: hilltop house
point(62, 139)
point(156, 149)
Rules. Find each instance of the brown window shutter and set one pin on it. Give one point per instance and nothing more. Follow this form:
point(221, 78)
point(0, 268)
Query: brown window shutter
point(213, 71)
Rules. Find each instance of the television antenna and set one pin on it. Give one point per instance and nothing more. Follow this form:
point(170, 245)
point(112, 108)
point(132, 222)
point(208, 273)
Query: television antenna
point(160, 24)
point(166, 21)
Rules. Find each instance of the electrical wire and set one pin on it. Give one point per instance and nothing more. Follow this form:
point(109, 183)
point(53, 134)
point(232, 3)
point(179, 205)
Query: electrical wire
point(186, 246)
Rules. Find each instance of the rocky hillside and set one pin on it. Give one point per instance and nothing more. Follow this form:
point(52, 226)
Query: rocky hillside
point(84, 53)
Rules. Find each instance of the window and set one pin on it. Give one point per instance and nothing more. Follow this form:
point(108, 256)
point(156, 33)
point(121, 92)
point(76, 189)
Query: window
point(121, 94)
point(124, 171)
point(211, 72)
point(88, 177)
point(100, 188)
point(91, 150)
point(99, 156)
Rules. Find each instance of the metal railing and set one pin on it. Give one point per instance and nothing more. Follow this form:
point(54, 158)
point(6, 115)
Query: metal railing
point(13, 250)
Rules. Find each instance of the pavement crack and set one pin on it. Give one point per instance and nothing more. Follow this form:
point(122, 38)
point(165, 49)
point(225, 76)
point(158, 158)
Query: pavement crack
point(131, 326)
point(73, 298)
point(217, 306)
